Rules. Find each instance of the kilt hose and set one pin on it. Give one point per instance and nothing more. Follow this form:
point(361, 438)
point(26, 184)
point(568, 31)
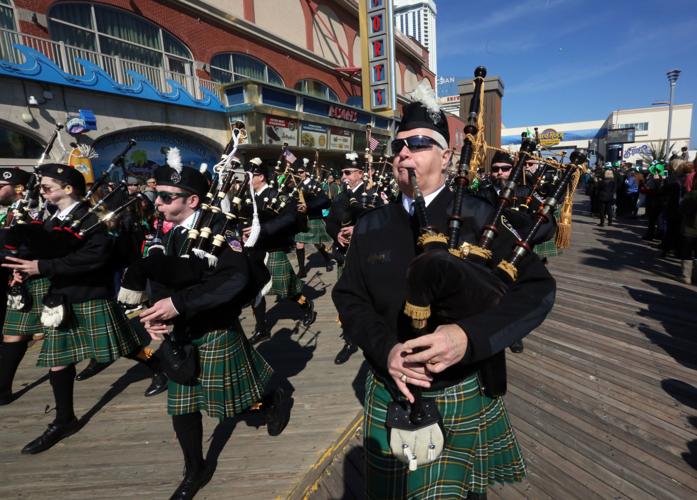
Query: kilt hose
point(233, 376)
point(27, 324)
point(284, 282)
point(316, 233)
point(97, 329)
point(479, 449)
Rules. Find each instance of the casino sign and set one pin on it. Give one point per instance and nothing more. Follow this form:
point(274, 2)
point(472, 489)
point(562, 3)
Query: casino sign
point(550, 137)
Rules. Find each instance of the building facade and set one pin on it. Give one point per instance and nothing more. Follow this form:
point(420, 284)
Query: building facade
point(184, 72)
point(417, 19)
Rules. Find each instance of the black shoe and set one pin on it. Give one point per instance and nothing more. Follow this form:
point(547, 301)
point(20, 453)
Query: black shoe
point(6, 398)
point(157, 385)
point(260, 333)
point(277, 412)
point(92, 369)
point(310, 314)
point(51, 436)
point(345, 353)
point(517, 346)
point(329, 267)
point(192, 483)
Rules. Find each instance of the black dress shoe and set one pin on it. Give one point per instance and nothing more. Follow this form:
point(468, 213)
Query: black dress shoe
point(192, 483)
point(310, 314)
point(92, 369)
point(329, 267)
point(260, 333)
point(51, 436)
point(157, 385)
point(277, 412)
point(6, 398)
point(345, 353)
point(517, 346)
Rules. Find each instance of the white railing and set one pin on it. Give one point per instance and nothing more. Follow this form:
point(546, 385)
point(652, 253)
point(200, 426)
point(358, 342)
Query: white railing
point(65, 57)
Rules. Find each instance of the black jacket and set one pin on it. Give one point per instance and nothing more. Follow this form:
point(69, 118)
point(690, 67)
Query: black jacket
point(277, 230)
point(345, 210)
point(316, 200)
point(606, 190)
point(370, 294)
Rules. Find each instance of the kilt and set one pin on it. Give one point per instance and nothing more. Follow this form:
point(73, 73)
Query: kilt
point(547, 248)
point(232, 378)
point(480, 447)
point(98, 329)
point(284, 282)
point(28, 323)
point(316, 233)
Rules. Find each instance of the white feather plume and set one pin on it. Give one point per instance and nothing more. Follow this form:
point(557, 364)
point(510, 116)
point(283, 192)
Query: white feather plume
point(424, 94)
point(306, 161)
point(174, 159)
point(352, 156)
point(203, 168)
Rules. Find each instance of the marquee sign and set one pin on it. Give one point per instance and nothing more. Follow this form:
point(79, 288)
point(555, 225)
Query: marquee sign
point(378, 61)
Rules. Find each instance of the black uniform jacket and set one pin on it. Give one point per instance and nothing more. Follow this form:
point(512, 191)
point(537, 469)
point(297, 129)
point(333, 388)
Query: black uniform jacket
point(214, 302)
point(316, 201)
point(277, 230)
point(370, 294)
point(345, 210)
point(86, 273)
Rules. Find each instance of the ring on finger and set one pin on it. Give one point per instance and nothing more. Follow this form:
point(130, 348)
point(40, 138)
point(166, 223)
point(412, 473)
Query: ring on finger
point(403, 378)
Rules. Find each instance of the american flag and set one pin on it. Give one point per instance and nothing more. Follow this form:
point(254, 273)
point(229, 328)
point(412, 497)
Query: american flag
point(290, 157)
point(373, 143)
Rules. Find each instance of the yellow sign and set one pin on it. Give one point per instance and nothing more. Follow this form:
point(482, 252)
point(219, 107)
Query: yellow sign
point(550, 137)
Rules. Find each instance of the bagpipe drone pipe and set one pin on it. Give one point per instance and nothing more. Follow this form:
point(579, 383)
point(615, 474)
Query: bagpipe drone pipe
point(213, 242)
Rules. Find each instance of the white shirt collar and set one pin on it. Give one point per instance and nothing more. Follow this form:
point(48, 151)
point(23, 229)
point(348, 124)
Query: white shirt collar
point(62, 214)
point(407, 200)
point(188, 223)
point(261, 190)
point(354, 189)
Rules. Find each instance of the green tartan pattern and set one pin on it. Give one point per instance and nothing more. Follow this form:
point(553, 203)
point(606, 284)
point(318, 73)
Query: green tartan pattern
point(28, 323)
point(549, 247)
point(480, 447)
point(316, 233)
point(284, 282)
point(232, 378)
point(97, 329)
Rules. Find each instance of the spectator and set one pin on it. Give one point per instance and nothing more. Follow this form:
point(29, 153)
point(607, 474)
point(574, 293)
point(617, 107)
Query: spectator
point(606, 197)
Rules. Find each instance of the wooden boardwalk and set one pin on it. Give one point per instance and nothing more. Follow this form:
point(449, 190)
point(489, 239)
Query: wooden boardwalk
point(604, 398)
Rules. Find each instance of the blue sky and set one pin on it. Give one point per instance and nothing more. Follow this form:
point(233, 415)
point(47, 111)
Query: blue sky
point(573, 60)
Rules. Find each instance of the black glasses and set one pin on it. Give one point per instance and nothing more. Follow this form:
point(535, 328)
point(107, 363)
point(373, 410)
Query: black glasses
point(168, 197)
point(349, 171)
point(414, 143)
point(500, 169)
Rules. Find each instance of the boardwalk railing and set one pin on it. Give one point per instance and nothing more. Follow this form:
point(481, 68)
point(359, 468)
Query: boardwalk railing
point(65, 57)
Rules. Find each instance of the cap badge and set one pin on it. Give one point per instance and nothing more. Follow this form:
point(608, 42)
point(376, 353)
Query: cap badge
point(6, 174)
point(175, 177)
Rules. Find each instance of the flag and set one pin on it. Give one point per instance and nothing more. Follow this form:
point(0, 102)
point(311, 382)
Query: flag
point(373, 143)
point(290, 157)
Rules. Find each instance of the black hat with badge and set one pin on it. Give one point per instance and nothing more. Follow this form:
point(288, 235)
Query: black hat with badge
point(353, 160)
point(66, 174)
point(176, 175)
point(14, 175)
point(424, 112)
point(256, 166)
point(502, 157)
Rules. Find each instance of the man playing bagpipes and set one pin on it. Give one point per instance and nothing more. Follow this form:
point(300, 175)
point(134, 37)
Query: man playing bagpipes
point(202, 320)
point(278, 225)
point(452, 364)
point(76, 290)
point(344, 213)
point(312, 204)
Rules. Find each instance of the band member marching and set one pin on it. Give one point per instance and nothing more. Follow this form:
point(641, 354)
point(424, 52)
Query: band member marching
point(232, 376)
point(277, 231)
point(92, 326)
point(448, 365)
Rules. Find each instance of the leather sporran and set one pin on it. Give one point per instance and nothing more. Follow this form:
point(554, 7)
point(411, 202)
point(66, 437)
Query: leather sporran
point(179, 362)
point(415, 444)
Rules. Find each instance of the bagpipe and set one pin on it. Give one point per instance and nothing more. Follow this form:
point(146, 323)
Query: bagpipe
point(449, 280)
point(214, 230)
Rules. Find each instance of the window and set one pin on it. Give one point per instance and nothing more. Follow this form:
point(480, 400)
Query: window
point(14, 144)
point(316, 89)
point(638, 127)
point(230, 67)
point(7, 15)
point(116, 32)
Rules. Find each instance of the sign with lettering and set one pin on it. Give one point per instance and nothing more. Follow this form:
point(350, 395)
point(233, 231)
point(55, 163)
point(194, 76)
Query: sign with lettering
point(279, 130)
point(341, 139)
point(314, 136)
point(378, 61)
point(644, 149)
point(550, 137)
point(346, 114)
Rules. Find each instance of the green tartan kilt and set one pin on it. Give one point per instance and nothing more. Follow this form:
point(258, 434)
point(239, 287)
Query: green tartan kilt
point(284, 282)
point(232, 378)
point(316, 233)
point(97, 329)
point(28, 323)
point(479, 449)
point(547, 248)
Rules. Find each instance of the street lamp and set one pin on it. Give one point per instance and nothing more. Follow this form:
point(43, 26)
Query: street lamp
point(672, 79)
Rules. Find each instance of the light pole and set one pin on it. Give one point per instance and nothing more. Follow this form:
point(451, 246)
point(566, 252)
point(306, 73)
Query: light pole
point(672, 79)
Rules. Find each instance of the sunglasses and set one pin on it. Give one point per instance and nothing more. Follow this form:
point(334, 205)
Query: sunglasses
point(413, 144)
point(500, 169)
point(48, 189)
point(349, 171)
point(168, 197)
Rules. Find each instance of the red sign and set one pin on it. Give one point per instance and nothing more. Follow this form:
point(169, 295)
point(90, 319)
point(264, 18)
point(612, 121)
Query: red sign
point(349, 115)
